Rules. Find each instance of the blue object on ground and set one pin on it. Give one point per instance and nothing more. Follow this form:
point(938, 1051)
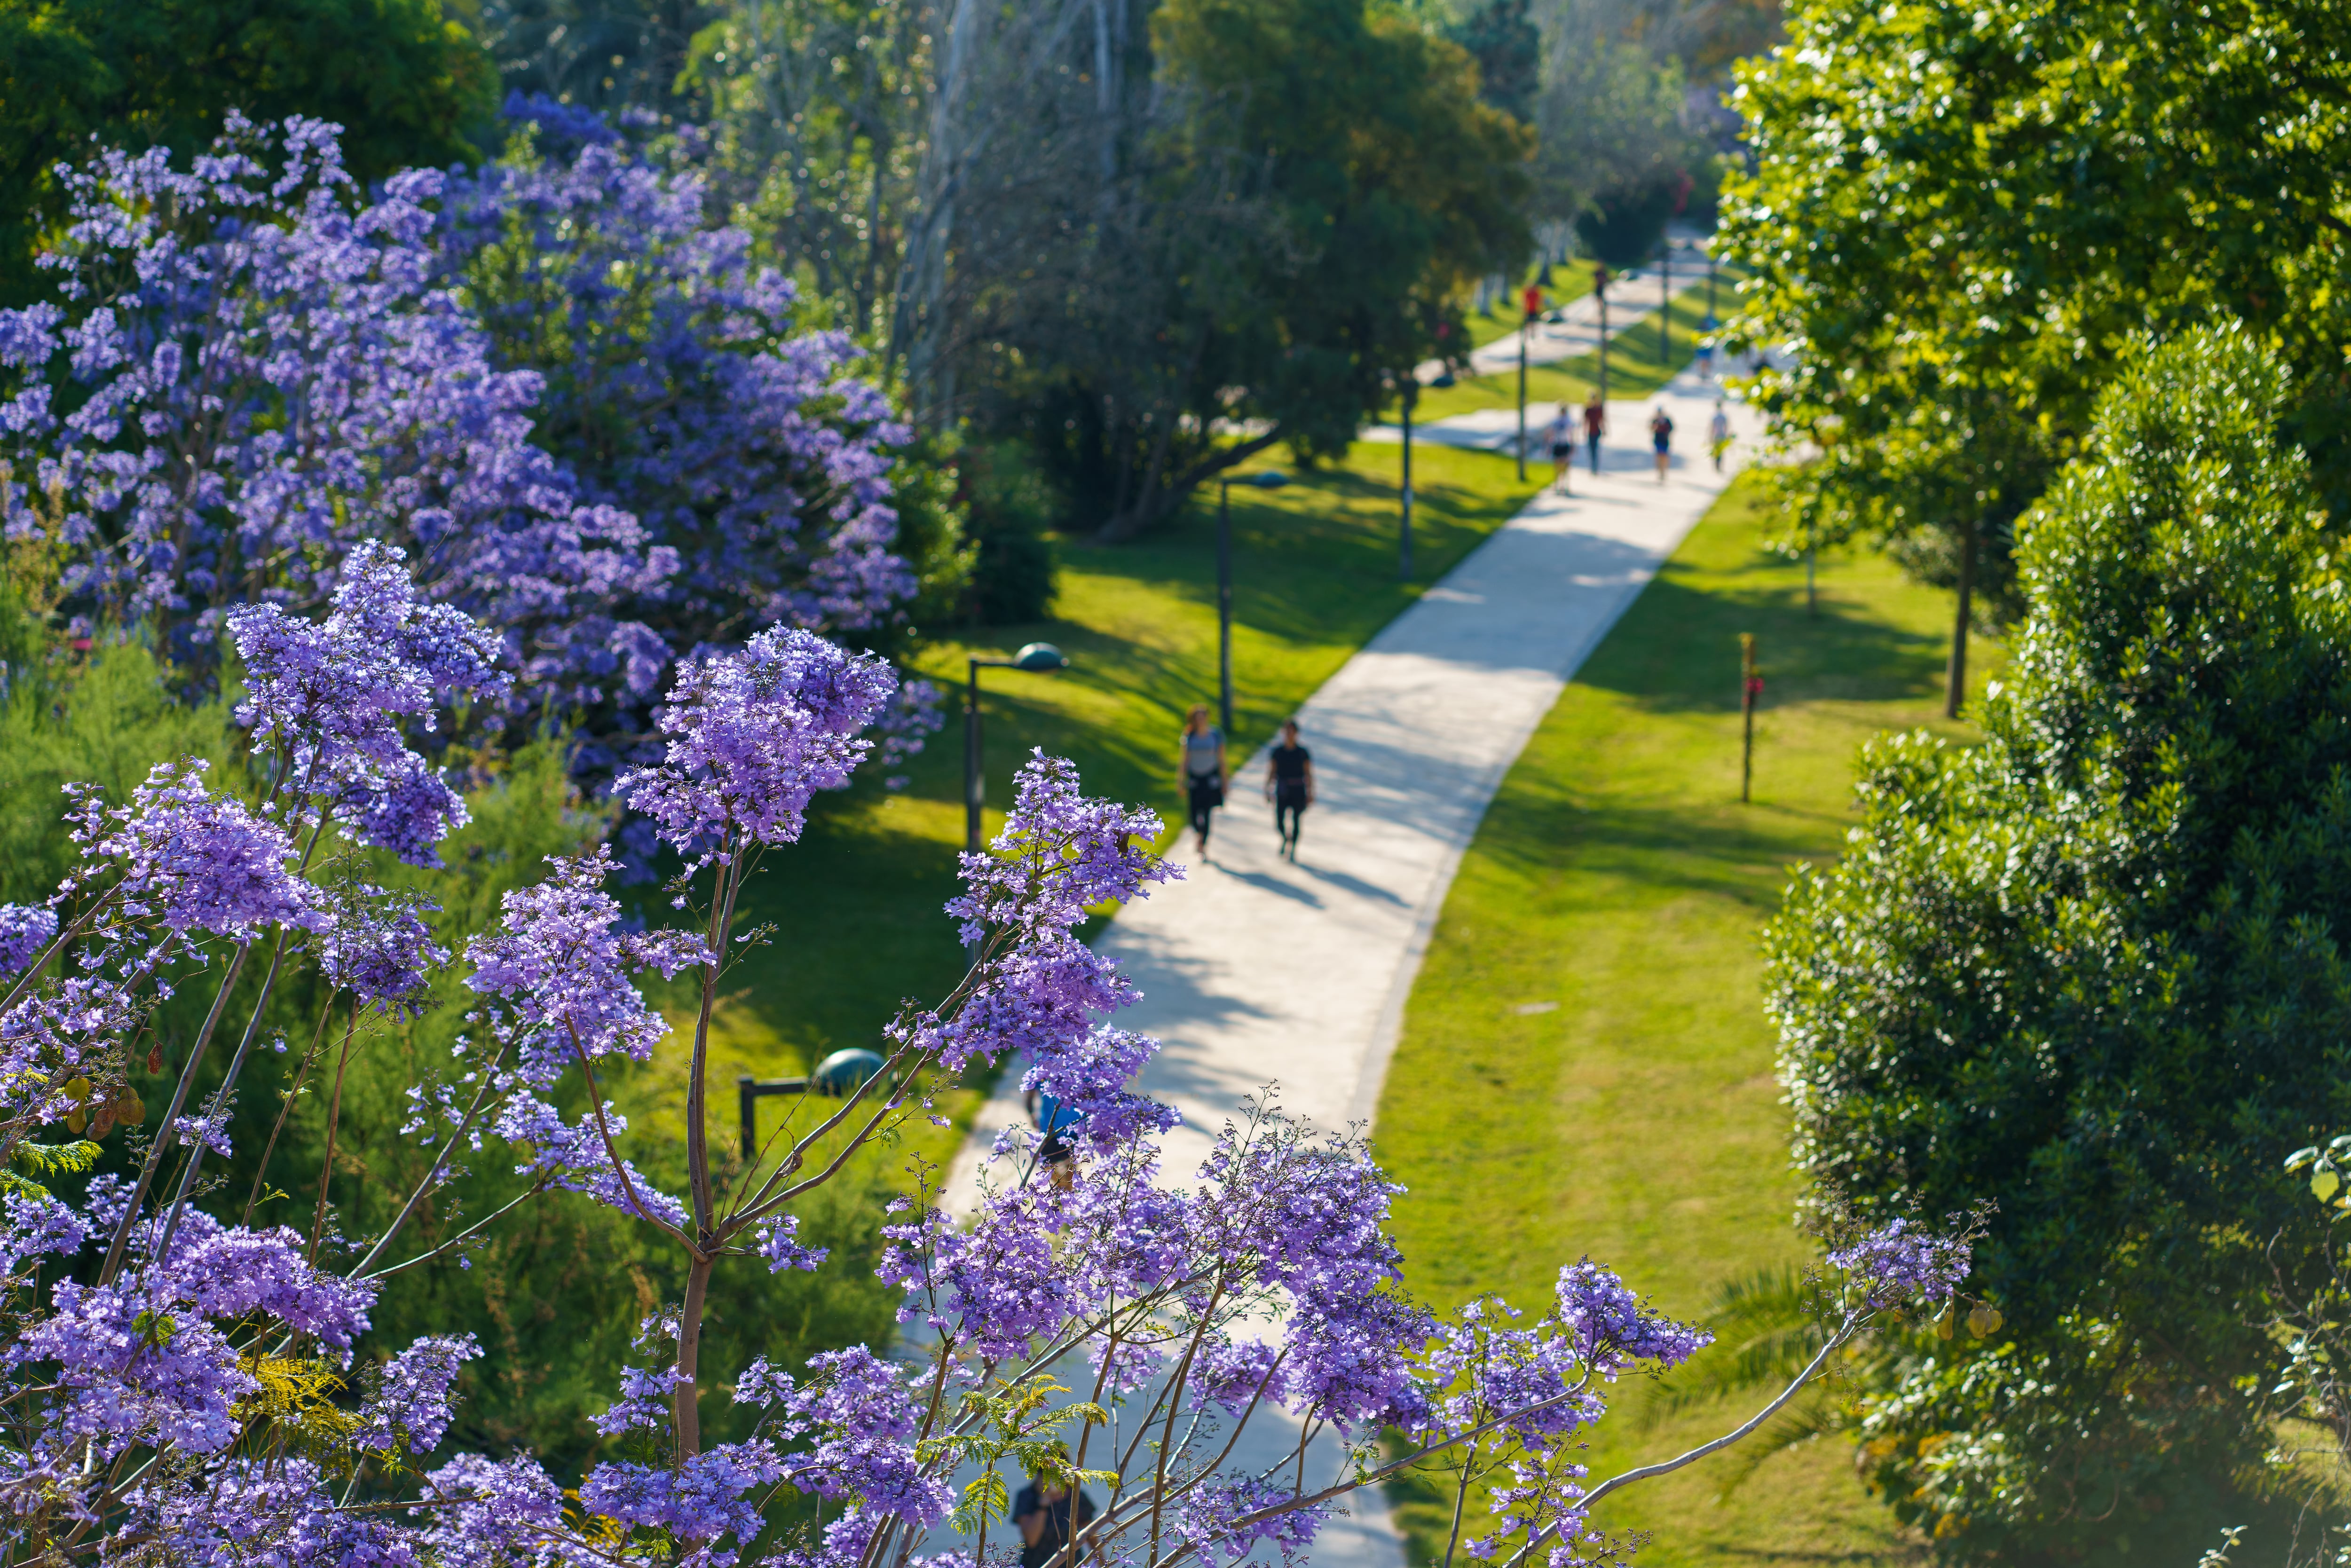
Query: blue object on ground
point(844, 1070)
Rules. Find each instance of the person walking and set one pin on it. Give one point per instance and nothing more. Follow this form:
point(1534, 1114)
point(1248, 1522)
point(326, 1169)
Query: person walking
point(1563, 449)
point(1595, 425)
point(1289, 776)
point(1042, 1512)
point(1661, 435)
point(1203, 770)
point(1717, 434)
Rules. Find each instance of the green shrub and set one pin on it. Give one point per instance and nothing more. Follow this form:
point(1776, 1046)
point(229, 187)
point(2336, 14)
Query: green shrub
point(2092, 970)
point(1011, 504)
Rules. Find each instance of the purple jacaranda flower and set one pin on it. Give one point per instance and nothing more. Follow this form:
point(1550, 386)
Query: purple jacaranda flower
point(644, 1403)
point(575, 1158)
point(777, 1240)
point(185, 859)
point(254, 366)
point(700, 1501)
point(33, 1226)
point(337, 695)
point(147, 1360)
point(559, 967)
point(376, 946)
point(1613, 1326)
point(494, 1515)
point(752, 736)
point(863, 1414)
point(409, 1412)
point(1902, 1262)
point(26, 934)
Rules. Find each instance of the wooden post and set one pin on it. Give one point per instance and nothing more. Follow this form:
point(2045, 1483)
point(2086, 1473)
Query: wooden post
point(1750, 686)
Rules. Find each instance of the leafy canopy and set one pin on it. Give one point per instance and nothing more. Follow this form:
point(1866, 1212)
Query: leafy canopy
point(1962, 211)
point(409, 85)
point(2093, 969)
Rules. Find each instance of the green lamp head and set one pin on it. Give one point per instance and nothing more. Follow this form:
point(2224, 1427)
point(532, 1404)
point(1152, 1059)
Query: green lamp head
point(1040, 656)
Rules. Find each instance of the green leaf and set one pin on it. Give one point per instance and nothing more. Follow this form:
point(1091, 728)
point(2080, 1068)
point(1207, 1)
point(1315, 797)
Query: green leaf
point(2324, 1184)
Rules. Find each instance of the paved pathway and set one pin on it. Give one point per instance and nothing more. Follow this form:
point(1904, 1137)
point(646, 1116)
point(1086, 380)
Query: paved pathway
point(1632, 295)
point(1255, 971)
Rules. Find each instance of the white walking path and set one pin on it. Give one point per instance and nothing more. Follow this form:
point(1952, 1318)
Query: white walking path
point(1255, 971)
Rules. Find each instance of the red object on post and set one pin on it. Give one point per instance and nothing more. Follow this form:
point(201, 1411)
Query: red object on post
point(1533, 300)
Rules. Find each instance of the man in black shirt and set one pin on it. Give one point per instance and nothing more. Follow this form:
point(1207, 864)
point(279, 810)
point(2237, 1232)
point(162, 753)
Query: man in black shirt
point(1290, 785)
point(1042, 1513)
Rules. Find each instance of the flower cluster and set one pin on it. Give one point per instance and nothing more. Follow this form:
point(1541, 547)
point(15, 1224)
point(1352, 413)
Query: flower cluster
point(254, 368)
point(24, 935)
point(336, 692)
point(196, 306)
point(752, 736)
point(1902, 1262)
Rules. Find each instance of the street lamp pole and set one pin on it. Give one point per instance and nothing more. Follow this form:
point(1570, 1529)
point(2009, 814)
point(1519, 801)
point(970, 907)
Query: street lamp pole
point(1040, 658)
point(1665, 303)
point(1269, 480)
point(1600, 292)
point(1526, 331)
point(1404, 544)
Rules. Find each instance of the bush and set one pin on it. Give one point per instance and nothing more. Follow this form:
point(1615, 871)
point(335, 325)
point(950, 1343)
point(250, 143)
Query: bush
point(1011, 504)
point(2093, 969)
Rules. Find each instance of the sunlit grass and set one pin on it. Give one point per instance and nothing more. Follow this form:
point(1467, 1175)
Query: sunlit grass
point(1585, 1065)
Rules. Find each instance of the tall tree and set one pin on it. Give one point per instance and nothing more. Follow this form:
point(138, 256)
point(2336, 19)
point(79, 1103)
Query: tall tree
point(2095, 969)
point(1961, 211)
point(409, 85)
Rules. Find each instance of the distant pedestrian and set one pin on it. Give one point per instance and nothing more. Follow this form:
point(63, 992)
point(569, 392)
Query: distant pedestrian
point(1042, 1512)
point(1563, 449)
point(1661, 437)
point(1706, 361)
point(1203, 770)
point(1595, 425)
point(1290, 779)
point(1717, 434)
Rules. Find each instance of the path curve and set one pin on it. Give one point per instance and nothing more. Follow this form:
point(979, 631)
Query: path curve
point(1253, 970)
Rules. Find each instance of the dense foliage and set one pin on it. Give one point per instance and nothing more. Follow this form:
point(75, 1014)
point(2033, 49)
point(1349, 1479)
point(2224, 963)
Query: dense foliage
point(1960, 214)
point(583, 405)
point(2093, 969)
point(184, 1384)
point(408, 86)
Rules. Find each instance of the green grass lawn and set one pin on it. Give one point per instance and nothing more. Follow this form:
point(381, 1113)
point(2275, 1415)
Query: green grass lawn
point(1635, 366)
point(1585, 1066)
point(1568, 280)
point(856, 903)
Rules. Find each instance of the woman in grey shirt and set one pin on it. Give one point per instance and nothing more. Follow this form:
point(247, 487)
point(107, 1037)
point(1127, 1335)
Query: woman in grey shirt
point(1203, 770)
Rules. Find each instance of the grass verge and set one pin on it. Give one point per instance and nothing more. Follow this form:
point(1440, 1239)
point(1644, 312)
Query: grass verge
point(1585, 1066)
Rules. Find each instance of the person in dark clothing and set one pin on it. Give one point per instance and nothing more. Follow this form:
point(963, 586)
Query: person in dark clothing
point(1290, 785)
point(1042, 1513)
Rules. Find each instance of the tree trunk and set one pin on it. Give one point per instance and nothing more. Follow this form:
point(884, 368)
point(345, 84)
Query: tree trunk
point(1955, 683)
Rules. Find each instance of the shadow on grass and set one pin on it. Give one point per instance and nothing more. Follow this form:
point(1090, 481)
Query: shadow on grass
point(1677, 649)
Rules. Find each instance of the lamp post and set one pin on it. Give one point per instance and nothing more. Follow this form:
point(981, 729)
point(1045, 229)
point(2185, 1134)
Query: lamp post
point(1666, 302)
point(1040, 657)
point(1271, 480)
point(1404, 542)
point(1533, 300)
point(1600, 292)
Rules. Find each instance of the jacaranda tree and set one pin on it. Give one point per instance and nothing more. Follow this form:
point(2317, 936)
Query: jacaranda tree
point(180, 1386)
point(578, 403)
point(2093, 971)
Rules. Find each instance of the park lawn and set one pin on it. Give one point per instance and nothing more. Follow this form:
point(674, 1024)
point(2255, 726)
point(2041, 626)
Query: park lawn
point(1585, 1066)
point(1568, 280)
point(856, 905)
point(1634, 368)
